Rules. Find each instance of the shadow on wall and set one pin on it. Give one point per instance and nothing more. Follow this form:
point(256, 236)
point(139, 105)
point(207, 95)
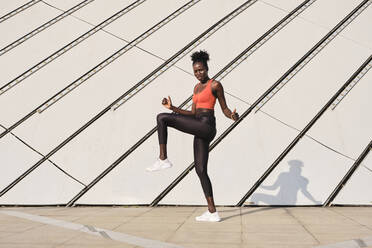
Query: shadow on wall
point(289, 183)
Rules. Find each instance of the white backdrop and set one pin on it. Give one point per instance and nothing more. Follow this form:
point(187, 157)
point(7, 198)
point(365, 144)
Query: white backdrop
point(306, 176)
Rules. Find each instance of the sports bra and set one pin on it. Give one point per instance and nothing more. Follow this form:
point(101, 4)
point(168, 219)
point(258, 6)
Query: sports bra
point(205, 98)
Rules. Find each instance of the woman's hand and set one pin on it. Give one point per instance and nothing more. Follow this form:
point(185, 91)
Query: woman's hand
point(167, 102)
point(234, 115)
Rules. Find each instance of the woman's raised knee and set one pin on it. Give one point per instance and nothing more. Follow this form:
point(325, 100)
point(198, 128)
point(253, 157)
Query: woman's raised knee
point(161, 117)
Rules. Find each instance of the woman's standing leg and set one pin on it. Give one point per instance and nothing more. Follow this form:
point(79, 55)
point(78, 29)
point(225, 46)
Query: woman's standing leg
point(201, 154)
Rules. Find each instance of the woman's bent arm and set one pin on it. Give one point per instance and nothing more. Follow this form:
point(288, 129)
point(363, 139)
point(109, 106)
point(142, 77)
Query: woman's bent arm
point(218, 89)
point(181, 111)
point(168, 104)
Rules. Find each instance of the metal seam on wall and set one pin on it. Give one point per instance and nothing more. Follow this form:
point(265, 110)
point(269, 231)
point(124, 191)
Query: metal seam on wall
point(348, 175)
point(116, 55)
point(228, 130)
point(44, 26)
point(313, 53)
point(180, 55)
point(300, 135)
point(28, 171)
point(351, 86)
point(293, 128)
point(150, 133)
point(33, 149)
point(126, 93)
point(69, 46)
point(18, 10)
point(60, 94)
point(250, 50)
point(191, 166)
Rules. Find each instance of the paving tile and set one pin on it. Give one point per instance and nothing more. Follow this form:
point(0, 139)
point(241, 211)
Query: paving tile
point(17, 225)
point(211, 227)
point(241, 227)
point(171, 210)
point(212, 237)
point(156, 235)
point(361, 215)
point(73, 211)
point(41, 236)
point(262, 220)
point(12, 245)
point(109, 222)
point(88, 240)
point(278, 238)
point(330, 238)
point(213, 245)
point(273, 228)
point(316, 228)
point(160, 232)
point(122, 212)
point(158, 219)
point(6, 234)
point(277, 245)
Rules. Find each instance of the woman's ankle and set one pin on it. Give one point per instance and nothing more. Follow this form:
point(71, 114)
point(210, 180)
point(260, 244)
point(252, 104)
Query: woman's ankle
point(212, 210)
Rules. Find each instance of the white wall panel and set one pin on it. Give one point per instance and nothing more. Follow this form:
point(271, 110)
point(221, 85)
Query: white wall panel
point(65, 4)
point(151, 12)
point(305, 94)
point(237, 162)
point(99, 10)
point(357, 189)
point(53, 134)
point(240, 159)
point(86, 150)
point(104, 141)
point(39, 47)
point(54, 125)
point(262, 69)
point(306, 176)
point(14, 159)
point(178, 194)
point(240, 90)
point(330, 12)
point(130, 183)
point(8, 6)
point(24, 22)
point(46, 185)
point(165, 43)
point(287, 5)
point(231, 40)
point(348, 128)
point(357, 30)
point(44, 84)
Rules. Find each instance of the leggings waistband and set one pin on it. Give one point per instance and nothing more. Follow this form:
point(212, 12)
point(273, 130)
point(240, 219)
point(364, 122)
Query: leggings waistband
point(207, 114)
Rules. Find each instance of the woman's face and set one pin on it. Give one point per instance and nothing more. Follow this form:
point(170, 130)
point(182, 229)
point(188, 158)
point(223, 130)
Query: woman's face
point(200, 71)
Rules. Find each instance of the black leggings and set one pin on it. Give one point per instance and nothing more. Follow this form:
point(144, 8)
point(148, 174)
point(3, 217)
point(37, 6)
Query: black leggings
point(203, 127)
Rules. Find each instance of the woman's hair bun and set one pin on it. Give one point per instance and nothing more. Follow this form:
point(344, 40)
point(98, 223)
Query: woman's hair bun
point(201, 56)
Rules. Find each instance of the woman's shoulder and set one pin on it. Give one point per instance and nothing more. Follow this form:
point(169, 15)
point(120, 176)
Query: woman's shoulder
point(216, 84)
point(195, 87)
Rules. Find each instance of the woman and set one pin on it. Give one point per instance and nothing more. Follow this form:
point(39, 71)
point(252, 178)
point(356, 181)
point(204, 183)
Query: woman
point(200, 122)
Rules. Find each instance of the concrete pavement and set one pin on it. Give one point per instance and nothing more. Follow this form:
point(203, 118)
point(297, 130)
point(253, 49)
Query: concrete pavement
point(297, 227)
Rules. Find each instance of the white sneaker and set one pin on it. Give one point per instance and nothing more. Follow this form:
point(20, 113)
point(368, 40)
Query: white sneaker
point(208, 216)
point(160, 165)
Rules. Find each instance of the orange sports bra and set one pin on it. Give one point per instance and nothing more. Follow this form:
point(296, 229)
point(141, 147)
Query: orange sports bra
point(205, 98)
